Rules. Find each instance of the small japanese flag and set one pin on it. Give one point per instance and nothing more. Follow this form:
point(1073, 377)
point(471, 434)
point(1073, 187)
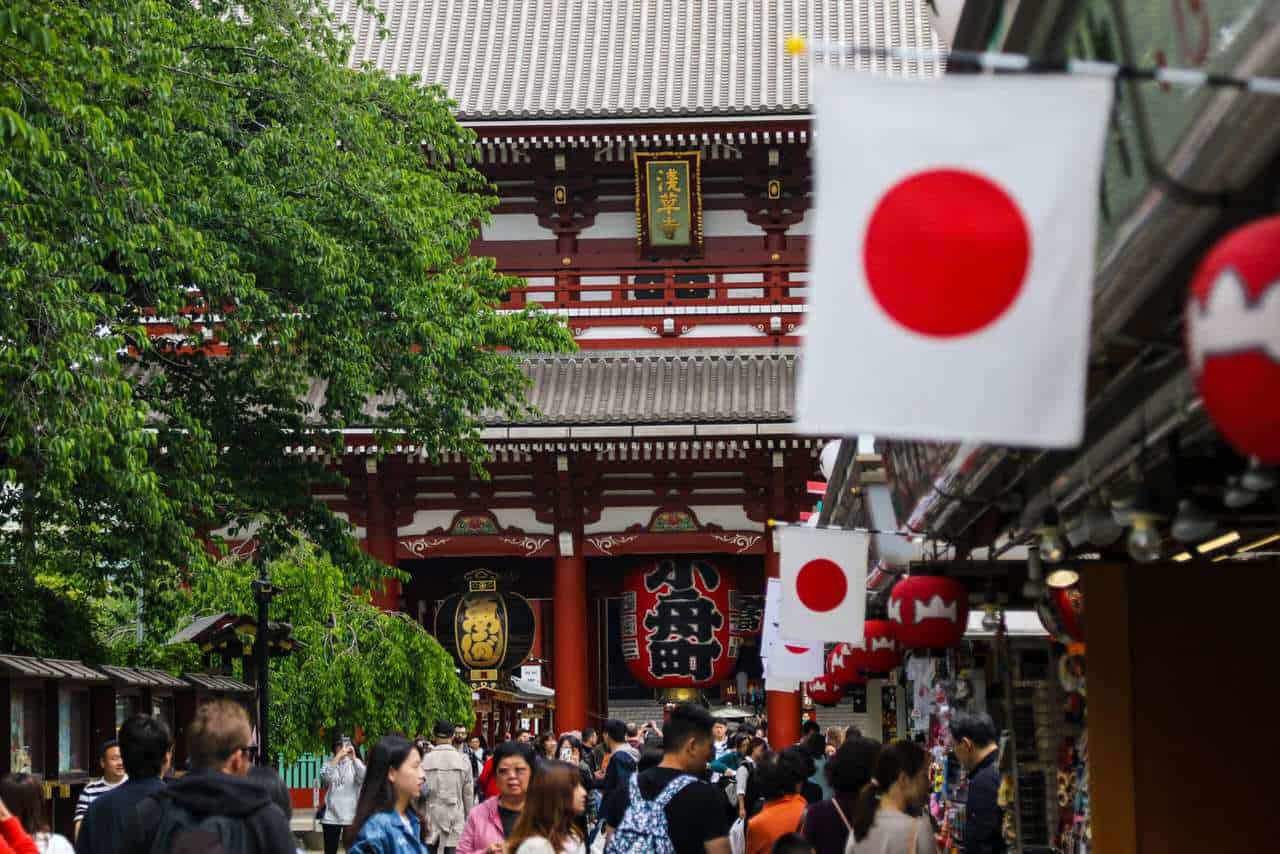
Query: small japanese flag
point(785, 660)
point(952, 256)
point(824, 584)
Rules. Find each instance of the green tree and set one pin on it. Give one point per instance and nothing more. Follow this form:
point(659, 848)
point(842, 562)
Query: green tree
point(218, 242)
point(360, 666)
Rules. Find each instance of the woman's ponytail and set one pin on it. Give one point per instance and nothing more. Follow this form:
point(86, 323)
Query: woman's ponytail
point(864, 810)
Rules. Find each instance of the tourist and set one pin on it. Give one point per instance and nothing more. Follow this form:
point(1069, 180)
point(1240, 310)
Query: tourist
point(341, 778)
point(215, 797)
point(478, 747)
point(782, 780)
point(146, 748)
point(973, 738)
point(450, 790)
point(547, 745)
point(547, 823)
point(835, 737)
point(383, 822)
point(591, 744)
point(112, 775)
point(13, 839)
point(524, 736)
point(745, 792)
point(827, 823)
point(633, 735)
point(817, 788)
point(493, 821)
point(621, 759)
point(24, 796)
point(719, 738)
point(792, 843)
point(670, 800)
point(883, 820)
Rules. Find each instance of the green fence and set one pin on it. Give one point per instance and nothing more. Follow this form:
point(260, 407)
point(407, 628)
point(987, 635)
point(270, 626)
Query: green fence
point(303, 774)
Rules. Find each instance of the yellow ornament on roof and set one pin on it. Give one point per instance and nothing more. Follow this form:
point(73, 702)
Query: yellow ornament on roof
point(796, 45)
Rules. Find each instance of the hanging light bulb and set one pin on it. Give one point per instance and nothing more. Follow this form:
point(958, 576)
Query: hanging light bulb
point(1144, 540)
point(1100, 525)
point(1191, 523)
point(1237, 495)
point(1063, 576)
point(1052, 548)
point(1259, 478)
point(991, 618)
point(1033, 587)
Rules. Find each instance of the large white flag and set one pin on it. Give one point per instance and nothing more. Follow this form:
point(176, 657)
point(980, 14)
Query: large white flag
point(952, 258)
point(786, 661)
point(824, 584)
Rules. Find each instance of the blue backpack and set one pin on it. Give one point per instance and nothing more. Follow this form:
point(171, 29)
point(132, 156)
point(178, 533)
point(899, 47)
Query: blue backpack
point(644, 825)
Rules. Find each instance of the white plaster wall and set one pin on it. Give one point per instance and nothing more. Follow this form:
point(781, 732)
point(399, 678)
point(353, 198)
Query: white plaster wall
point(612, 224)
point(426, 520)
point(514, 227)
point(524, 519)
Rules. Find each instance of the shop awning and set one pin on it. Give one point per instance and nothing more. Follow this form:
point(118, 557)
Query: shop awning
point(142, 677)
point(730, 713)
point(48, 668)
point(1017, 624)
point(210, 682)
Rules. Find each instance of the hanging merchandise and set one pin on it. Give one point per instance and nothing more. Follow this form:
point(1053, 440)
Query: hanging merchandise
point(1233, 337)
point(929, 612)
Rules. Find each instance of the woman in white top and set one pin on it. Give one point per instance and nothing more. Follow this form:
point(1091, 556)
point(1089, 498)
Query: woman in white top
point(547, 823)
point(882, 820)
point(24, 796)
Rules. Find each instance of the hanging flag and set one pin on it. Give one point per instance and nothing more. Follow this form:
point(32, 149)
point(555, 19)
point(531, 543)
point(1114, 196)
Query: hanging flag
point(952, 256)
point(824, 584)
point(786, 661)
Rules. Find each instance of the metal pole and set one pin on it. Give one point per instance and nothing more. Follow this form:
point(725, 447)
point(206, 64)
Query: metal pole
point(1006, 650)
point(262, 593)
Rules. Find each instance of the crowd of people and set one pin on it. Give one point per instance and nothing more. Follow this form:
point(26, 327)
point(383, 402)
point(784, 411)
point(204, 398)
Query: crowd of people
point(689, 786)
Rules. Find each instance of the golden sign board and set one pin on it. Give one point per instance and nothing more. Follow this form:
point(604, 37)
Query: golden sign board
point(669, 203)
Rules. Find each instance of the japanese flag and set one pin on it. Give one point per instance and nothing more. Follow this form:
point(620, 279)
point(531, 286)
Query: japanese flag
point(786, 661)
point(952, 257)
point(824, 584)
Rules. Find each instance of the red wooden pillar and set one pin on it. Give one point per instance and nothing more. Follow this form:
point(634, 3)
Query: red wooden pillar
point(380, 537)
point(783, 708)
point(569, 636)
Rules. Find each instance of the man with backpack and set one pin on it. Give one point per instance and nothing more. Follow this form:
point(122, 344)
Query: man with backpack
point(669, 809)
point(216, 807)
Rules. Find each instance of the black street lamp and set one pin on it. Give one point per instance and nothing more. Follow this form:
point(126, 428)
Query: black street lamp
point(263, 592)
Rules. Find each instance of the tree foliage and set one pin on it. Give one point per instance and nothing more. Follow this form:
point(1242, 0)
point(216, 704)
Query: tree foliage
point(216, 242)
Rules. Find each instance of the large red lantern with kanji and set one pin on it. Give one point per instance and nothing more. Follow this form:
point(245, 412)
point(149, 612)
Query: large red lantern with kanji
point(824, 690)
point(929, 612)
point(846, 663)
point(676, 627)
point(880, 639)
point(1233, 337)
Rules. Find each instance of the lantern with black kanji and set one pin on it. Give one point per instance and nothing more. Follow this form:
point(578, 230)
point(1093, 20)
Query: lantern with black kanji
point(824, 690)
point(489, 632)
point(880, 639)
point(677, 631)
point(929, 612)
point(846, 664)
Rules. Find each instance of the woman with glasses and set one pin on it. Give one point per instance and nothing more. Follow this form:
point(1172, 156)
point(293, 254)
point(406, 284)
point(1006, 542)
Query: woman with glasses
point(490, 823)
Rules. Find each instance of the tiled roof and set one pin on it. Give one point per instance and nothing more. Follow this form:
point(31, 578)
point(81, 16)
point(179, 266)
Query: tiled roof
point(142, 676)
point(690, 387)
point(210, 682)
point(48, 668)
point(613, 58)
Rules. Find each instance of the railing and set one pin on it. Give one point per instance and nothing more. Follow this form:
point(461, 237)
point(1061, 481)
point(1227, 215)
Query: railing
point(732, 288)
point(302, 774)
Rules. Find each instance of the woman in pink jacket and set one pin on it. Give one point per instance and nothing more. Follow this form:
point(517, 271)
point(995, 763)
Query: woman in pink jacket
point(493, 820)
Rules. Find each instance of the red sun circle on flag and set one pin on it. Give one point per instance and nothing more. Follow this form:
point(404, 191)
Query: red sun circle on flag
point(821, 585)
point(946, 252)
point(796, 650)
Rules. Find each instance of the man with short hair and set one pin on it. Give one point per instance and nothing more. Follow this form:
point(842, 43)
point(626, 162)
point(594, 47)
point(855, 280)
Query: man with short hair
point(146, 748)
point(216, 804)
point(696, 813)
point(973, 738)
point(621, 761)
point(719, 738)
point(112, 775)
point(524, 736)
point(633, 735)
point(450, 789)
point(593, 751)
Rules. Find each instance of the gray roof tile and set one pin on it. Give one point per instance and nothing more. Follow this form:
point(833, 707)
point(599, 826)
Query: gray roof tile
point(614, 58)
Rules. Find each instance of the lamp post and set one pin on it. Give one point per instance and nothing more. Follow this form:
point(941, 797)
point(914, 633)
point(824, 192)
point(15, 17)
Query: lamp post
point(263, 592)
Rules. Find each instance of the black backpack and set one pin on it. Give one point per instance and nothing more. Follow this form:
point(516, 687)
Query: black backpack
point(173, 829)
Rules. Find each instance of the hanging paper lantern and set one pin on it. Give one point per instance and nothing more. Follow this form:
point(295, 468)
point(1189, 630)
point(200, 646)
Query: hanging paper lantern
point(676, 626)
point(846, 663)
point(929, 612)
point(824, 690)
point(882, 650)
point(489, 632)
point(1067, 604)
point(1233, 337)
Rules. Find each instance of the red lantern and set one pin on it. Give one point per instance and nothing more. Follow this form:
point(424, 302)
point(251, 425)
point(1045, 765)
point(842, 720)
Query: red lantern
point(845, 664)
point(824, 690)
point(1233, 337)
point(929, 612)
point(1068, 606)
point(676, 627)
point(881, 641)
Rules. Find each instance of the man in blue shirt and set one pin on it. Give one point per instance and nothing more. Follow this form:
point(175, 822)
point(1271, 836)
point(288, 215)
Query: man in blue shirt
point(147, 749)
point(973, 738)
